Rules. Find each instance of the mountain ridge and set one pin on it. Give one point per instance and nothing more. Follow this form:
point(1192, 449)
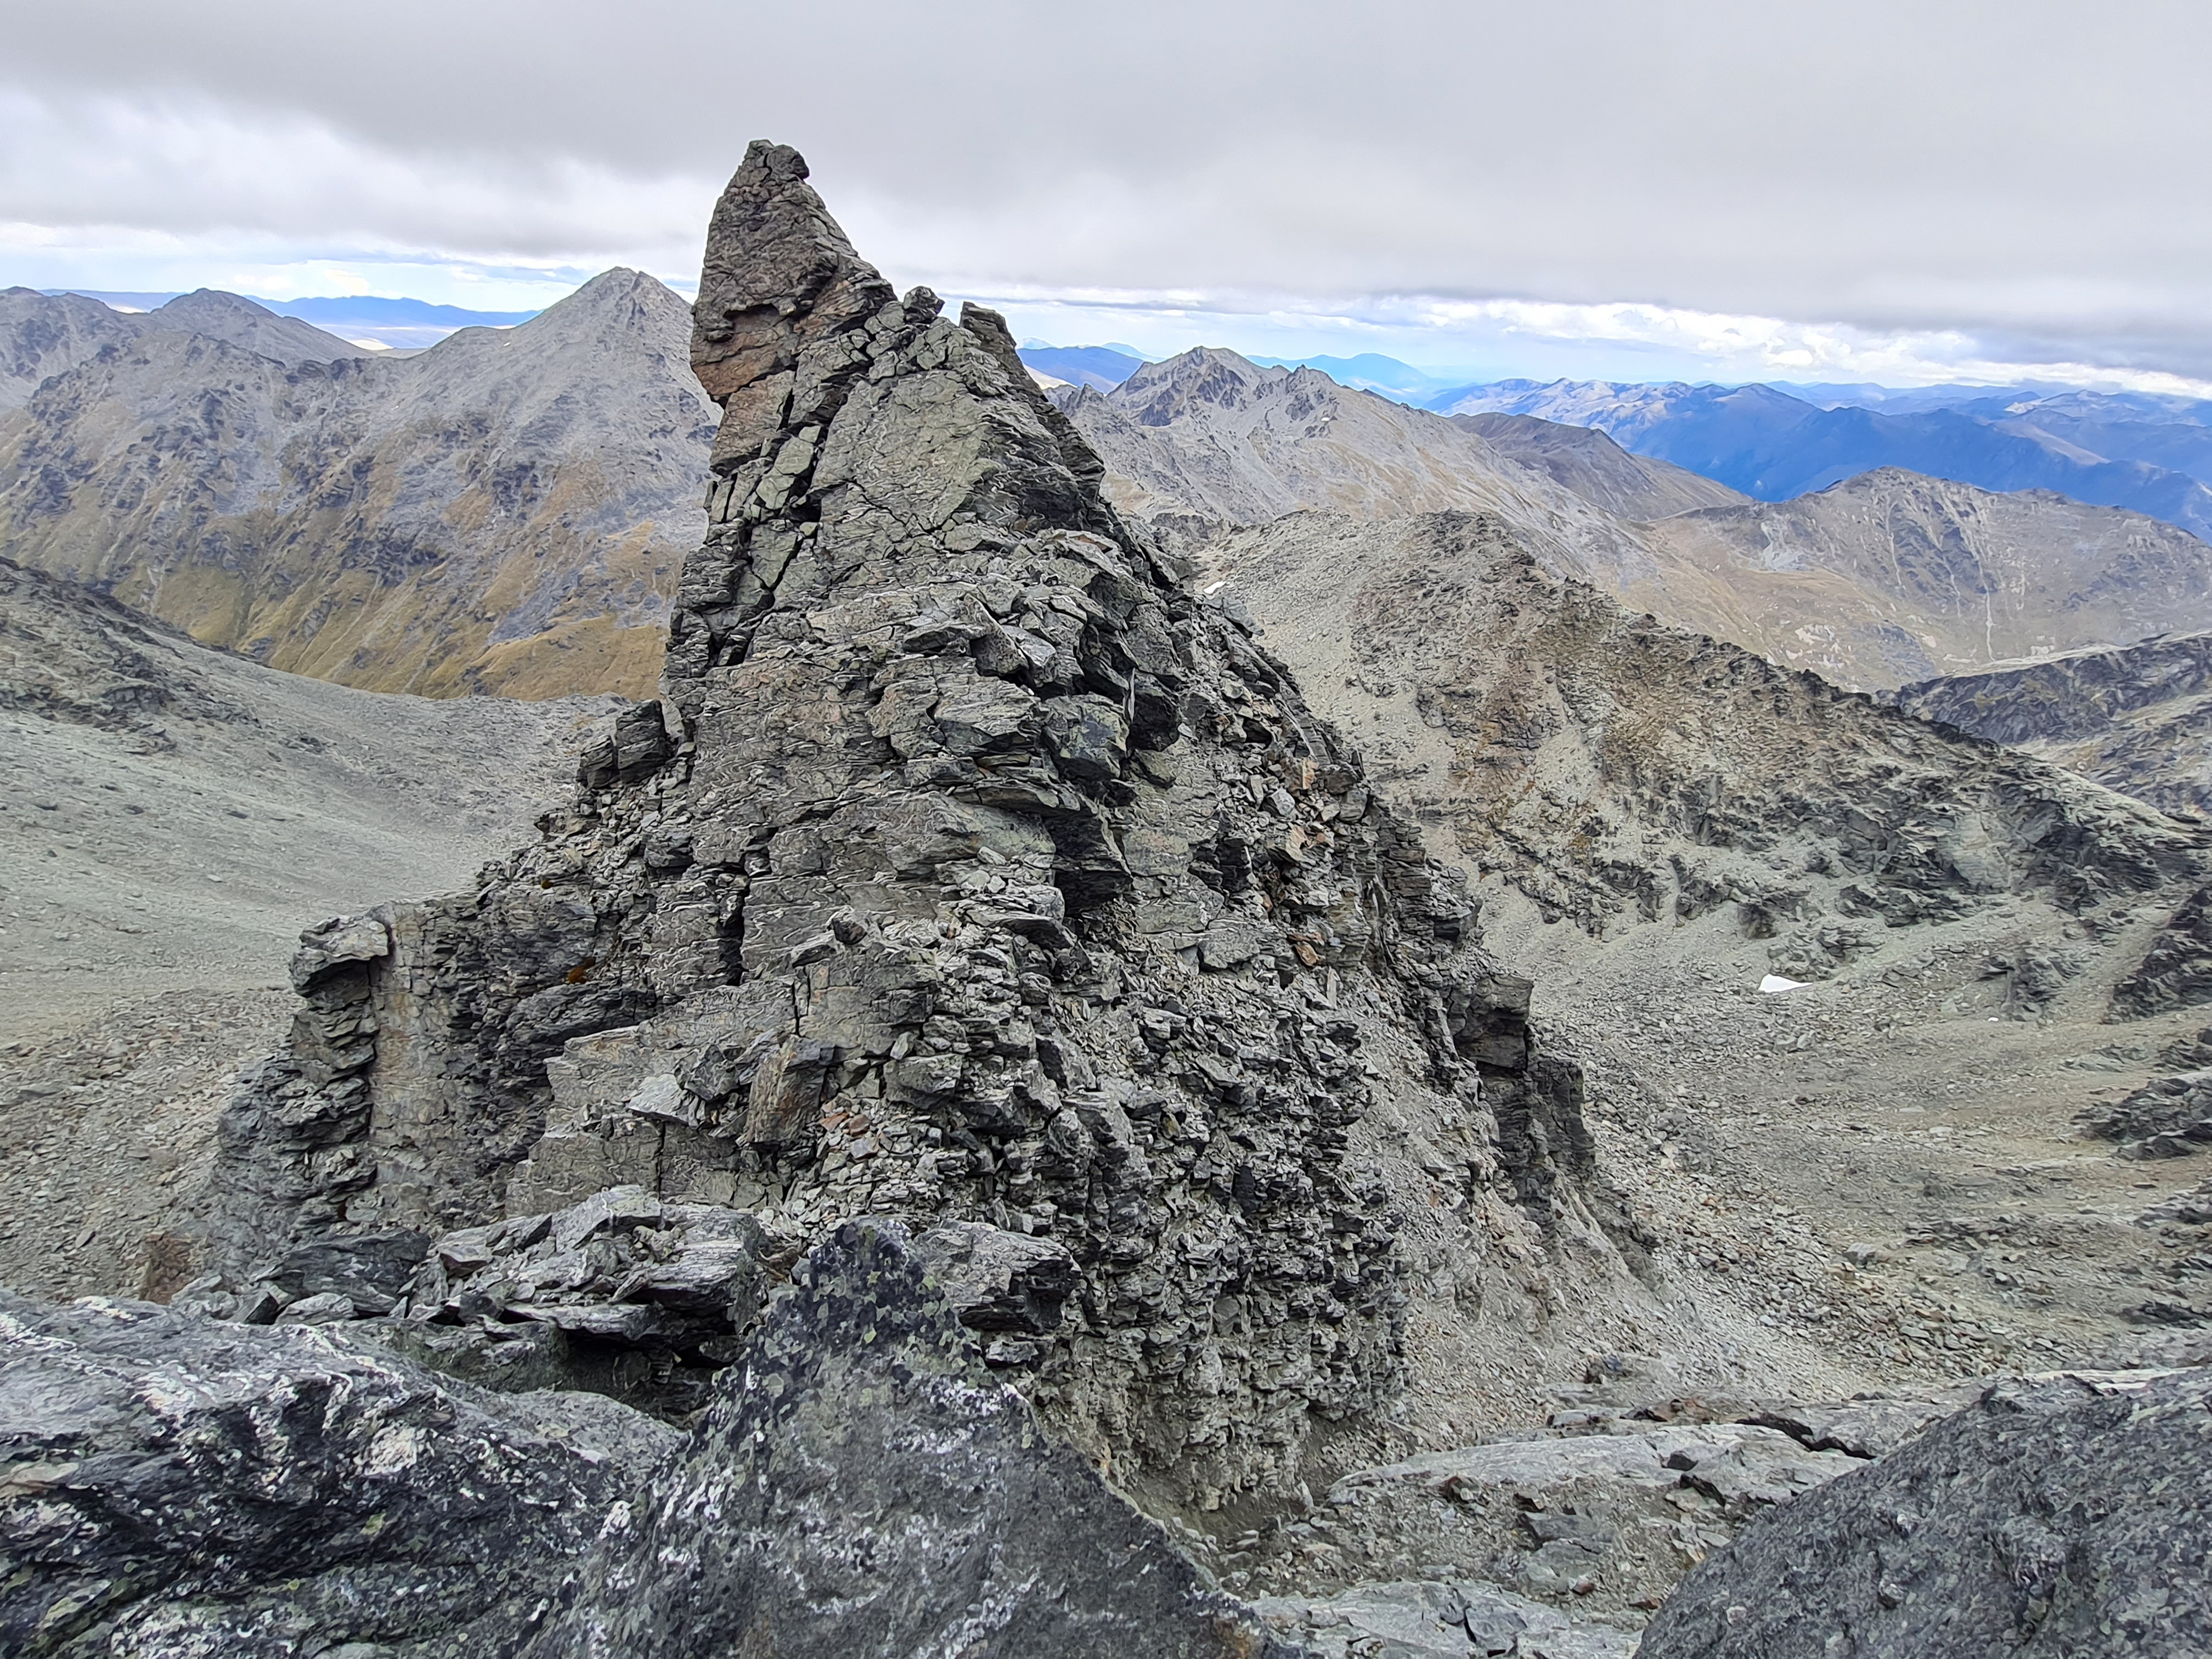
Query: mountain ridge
point(2136, 718)
point(1774, 447)
point(503, 511)
point(1882, 578)
point(45, 335)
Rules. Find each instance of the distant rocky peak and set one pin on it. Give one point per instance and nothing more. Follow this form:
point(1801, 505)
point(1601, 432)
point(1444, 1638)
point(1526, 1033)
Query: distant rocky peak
point(1204, 374)
point(239, 321)
point(204, 304)
point(617, 304)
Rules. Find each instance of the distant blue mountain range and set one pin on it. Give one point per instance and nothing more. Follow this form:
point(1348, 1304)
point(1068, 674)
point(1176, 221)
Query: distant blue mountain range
point(2151, 453)
point(1100, 368)
point(401, 323)
point(2135, 450)
point(1369, 371)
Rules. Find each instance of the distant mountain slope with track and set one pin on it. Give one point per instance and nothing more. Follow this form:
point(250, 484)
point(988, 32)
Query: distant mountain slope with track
point(2136, 718)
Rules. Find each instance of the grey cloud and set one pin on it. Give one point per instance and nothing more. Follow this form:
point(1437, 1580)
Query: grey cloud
point(2030, 168)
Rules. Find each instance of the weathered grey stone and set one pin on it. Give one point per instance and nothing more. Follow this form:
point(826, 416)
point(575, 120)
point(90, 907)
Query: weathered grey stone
point(2167, 1117)
point(619, 1207)
point(638, 743)
point(997, 1281)
point(371, 1270)
point(171, 1485)
point(327, 1308)
point(2066, 1516)
point(1865, 1428)
point(913, 914)
point(340, 941)
point(1601, 1520)
point(2175, 971)
point(1429, 1621)
point(863, 1489)
point(778, 278)
point(661, 1292)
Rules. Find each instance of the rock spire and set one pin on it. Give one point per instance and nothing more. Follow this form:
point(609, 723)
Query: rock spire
point(985, 876)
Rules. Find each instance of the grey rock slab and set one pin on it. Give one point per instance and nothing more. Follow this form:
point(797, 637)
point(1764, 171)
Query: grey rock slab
point(862, 1489)
point(340, 941)
point(618, 1207)
point(1741, 1456)
point(173, 1486)
point(1432, 1620)
point(1863, 1428)
point(996, 1279)
point(2062, 1515)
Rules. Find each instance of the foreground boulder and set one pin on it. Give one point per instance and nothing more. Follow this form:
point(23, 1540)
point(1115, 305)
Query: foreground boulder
point(173, 1485)
point(2063, 1518)
point(861, 1486)
point(863, 1489)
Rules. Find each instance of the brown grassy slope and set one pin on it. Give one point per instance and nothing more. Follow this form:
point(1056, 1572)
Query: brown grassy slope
point(505, 513)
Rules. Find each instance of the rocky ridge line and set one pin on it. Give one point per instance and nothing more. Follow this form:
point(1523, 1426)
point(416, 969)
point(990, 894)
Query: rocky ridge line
point(2137, 718)
point(504, 513)
point(1615, 771)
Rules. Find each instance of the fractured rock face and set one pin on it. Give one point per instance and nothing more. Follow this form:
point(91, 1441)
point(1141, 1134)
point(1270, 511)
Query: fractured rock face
point(995, 880)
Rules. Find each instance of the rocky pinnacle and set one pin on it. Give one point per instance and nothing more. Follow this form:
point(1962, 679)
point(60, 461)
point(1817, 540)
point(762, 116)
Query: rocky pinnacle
point(986, 876)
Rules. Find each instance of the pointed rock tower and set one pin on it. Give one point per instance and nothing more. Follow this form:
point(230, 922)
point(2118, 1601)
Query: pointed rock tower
point(979, 874)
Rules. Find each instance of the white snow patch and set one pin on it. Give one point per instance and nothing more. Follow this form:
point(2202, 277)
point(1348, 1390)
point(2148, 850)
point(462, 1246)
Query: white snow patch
point(1774, 983)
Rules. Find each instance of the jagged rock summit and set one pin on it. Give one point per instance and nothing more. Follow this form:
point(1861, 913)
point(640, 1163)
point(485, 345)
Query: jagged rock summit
point(984, 877)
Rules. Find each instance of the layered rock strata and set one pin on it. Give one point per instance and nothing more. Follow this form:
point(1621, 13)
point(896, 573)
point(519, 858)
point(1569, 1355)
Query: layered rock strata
point(982, 875)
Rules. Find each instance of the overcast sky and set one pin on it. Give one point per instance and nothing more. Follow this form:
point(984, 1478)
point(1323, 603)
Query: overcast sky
point(1624, 188)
